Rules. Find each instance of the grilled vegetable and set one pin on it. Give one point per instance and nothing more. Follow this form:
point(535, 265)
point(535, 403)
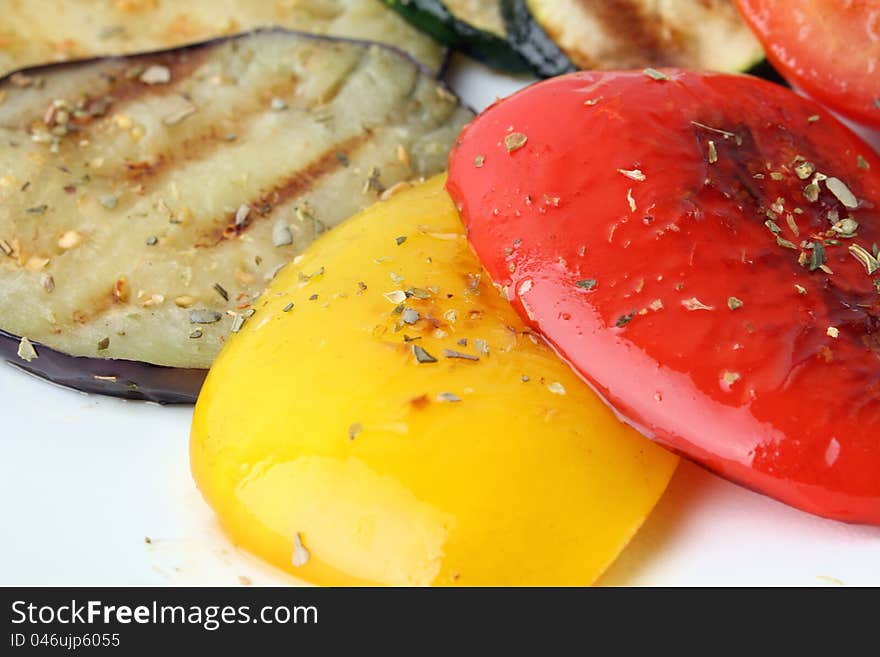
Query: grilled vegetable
point(37, 32)
point(531, 42)
point(706, 34)
point(827, 48)
point(393, 421)
point(146, 201)
point(474, 27)
point(704, 249)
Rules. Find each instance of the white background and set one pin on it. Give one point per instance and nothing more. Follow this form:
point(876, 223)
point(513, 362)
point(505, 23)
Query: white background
point(84, 480)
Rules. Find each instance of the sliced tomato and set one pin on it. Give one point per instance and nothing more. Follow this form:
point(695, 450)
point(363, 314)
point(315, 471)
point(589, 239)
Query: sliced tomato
point(703, 249)
point(828, 48)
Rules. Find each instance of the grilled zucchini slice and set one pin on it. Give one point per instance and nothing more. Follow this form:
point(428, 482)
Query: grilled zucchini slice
point(528, 38)
point(702, 34)
point(473, 27)
point(38, 32)
point(145, 201)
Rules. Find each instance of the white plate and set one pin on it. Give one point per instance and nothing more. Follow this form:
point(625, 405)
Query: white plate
point(86, 481)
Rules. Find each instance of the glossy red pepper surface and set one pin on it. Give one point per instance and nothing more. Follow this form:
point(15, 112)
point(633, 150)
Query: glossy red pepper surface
point(676, 241)
point(828, 48)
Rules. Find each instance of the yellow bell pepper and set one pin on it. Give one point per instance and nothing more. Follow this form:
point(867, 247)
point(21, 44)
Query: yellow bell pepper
point(386, 418)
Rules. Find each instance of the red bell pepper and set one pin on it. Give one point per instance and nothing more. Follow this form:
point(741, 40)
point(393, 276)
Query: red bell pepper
point(702, 248)
point(830, 49)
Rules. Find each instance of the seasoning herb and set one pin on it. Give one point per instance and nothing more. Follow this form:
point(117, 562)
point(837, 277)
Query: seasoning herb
point(587, 283)
point(776, 175)
point(108, 201)
point(204, 316)
point(287, 308)
point(400, 240)
point(395, 296)
point(695, 304)
point(103, 344)
point(813, 118)
point(300, 554)
point(846, 228)
point(592, 101)
point(842, 192)
point(818, 257)
point(417, 293)
point(481, 346)
point(724, 133)
point(448, 397)
point(37, 209)
point(773, 226)
point(373, 181)
point(730, 377)
point(342, 158)
point(479, 160)
point(278, 104)
point(733, 303)
point(355, 430)
point(241, 215)
point(804, 170)
point(800, 289)
point(862, 163)
point(781, 241)
point(26, 350)
point(152, 240)
point(47, 282)
point(281, 234)
point(69, 240)
point(195, 335)
point(237, 322)
point(556, 388)
point(156, 75)
point(623, 320)
point(654, 74)
point(870, 262)
point(811, 192)
point(219, 289)
point(514, 141)
point(410, 316)
point(421, 355)
point(632, 174)
point(450, 353)
point(314, 297)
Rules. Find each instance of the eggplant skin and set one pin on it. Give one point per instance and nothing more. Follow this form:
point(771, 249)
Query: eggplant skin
point(107, 376)
point(34, 31)
point(144, 230)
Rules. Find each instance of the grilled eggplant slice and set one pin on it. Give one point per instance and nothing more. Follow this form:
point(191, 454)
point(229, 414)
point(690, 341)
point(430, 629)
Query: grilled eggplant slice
point(145, 201)
point(702, 34)
point(474, 27)
point(38, 32)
